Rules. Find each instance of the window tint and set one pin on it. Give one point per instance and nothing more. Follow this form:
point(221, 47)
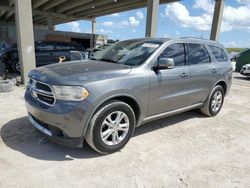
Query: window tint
point(76, 47)
point(63, 46)
point(219, 54)
point(197, 54)
point(45, 47)
point(177, 52)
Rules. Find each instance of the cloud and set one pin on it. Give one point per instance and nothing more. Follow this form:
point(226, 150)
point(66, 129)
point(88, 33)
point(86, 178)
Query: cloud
point(246, 2)
point(132, 21)
point(107, 23)
point(74, 26)
point(140, 15)
point(233, 17)
point(115, 15)
point(103, 31)
point(181, 15)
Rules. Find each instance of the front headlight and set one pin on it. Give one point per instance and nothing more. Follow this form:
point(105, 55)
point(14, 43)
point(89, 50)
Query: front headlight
point(70, 93)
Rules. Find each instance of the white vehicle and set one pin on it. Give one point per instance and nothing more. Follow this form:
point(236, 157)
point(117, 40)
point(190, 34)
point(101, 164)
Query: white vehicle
point(245, 70)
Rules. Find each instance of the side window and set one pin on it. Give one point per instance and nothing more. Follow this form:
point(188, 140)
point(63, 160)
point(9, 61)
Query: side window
point(63, 46)
point(44, 47)
point(177, 52)
point(219, 54)
point(197, 54)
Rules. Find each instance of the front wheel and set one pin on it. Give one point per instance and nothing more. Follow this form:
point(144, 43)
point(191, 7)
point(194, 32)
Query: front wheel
point(111, 127)
point(214, 102)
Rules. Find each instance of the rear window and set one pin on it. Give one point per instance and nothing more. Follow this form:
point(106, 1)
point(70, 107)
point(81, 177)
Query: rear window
point(77, 47)
point(219, 53)
point(44, 47)
point(63, 46)
point(197, 54)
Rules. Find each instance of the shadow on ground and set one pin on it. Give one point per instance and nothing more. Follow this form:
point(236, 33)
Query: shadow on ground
point(19, 135)
point(242, 77)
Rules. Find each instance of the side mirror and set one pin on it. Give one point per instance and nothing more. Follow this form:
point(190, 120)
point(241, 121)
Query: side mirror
point(164, 63)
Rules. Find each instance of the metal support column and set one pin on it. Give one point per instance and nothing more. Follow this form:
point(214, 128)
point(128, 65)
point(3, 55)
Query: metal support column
point(50, 23)
point(152, 18)
point(217, 19)
point(25, 37)
point(93, 33)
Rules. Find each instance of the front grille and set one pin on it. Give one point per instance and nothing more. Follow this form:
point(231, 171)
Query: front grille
point(42, 92)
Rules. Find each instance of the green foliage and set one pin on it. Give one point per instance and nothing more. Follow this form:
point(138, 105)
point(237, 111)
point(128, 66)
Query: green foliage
point(238, 50)
point(244, 58)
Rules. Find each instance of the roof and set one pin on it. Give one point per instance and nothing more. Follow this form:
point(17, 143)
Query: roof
point(62, 11)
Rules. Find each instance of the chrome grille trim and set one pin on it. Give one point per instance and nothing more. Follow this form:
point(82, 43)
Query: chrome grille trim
point(34, 91)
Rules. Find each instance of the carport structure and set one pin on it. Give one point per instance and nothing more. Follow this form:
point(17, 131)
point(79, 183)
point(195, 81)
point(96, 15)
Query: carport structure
point(25, 13)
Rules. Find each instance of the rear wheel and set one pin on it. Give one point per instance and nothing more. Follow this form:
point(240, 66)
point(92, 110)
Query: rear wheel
point(214, 102)
point(111, 127)
point(16, 66)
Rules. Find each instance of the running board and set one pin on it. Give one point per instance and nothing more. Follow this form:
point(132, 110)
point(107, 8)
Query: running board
point(170, 113)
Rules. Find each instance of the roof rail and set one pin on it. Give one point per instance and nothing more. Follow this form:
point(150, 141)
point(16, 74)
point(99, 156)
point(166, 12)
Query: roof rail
point(200, 38)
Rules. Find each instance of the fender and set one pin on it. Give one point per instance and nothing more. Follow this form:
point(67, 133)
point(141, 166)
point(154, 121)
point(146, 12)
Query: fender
point(105, 99)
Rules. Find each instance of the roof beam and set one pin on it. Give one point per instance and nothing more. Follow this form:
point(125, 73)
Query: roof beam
point(96, 3)
point(9, 14)
point(120, 7)
point(11, 3)
point(39, 3)
point(105, 7)
point(52, 4)
point(72, 4)
point(3, 11)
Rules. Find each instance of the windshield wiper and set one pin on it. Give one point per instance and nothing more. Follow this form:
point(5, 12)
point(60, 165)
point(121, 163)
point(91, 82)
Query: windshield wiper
point(108, 60)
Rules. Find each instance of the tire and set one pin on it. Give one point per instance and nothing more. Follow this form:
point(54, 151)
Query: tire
point(109, 113)
point(16, 67)
point(214, 102)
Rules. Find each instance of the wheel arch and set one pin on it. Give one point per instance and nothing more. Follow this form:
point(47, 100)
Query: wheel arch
point(223, 84)
point(132, 101)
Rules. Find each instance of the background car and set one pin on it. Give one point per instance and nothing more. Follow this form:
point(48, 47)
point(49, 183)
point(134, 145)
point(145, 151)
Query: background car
point(245, 70)
point(92, 51)
point(47, 52)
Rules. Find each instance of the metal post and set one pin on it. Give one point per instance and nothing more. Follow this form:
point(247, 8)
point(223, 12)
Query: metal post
point(25, 37)
point(93, 33)
point(152, 18)
point(50, 23)
point(217, 19)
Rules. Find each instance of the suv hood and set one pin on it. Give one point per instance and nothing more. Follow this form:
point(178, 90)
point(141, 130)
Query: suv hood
point(78, 73)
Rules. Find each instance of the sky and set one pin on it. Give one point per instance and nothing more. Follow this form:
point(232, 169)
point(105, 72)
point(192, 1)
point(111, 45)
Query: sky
point(180, 19)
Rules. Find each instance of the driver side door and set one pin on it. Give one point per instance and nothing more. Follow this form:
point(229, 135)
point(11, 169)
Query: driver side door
point(169, 88)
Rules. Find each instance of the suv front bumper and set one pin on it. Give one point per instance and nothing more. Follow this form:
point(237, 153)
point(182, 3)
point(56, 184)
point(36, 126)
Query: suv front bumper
point(63, 123)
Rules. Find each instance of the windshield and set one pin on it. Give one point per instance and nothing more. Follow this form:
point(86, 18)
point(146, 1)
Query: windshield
point(131, 52)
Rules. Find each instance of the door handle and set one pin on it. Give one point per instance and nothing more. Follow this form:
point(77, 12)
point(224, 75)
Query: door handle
point(214, 70)
point(184, 75)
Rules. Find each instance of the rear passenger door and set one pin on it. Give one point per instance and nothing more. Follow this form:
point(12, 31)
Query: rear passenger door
point(203, 73)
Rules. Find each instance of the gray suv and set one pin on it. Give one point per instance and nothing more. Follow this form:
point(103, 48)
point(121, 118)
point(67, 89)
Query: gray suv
point(102, 100)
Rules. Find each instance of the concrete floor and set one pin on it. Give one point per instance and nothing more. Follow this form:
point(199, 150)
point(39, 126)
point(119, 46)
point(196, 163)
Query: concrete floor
point(187, 150)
